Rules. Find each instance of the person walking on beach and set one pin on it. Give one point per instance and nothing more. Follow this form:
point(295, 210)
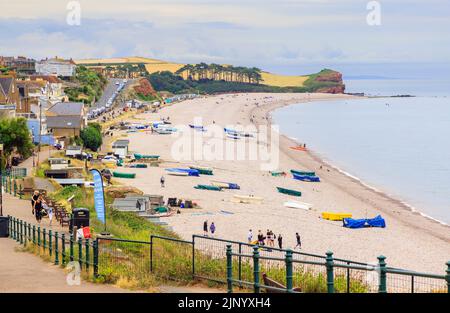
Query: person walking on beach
point(38, 209)
point(49, 211)
point(205, 228)
point(34, 198)
point(299, 243)
point(280, 241)
point(250, 236)
point(260, 238)
point(212, 228)
point(162, 180)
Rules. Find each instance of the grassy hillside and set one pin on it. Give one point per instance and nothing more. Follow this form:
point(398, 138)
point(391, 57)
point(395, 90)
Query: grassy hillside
point(154, 66)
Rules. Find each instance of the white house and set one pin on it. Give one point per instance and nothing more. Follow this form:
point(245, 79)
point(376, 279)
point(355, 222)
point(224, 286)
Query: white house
point(56, 66)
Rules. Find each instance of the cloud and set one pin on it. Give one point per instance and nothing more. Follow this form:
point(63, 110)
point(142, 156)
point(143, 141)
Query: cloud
point(260, 33)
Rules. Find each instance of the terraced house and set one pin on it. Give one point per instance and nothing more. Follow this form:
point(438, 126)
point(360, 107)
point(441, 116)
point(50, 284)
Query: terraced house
point(9, 95)
point(65, 120)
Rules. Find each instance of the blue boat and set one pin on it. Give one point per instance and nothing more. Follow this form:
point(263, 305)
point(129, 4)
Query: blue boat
point(306, 178)
point(190, 172)
point(200, 128)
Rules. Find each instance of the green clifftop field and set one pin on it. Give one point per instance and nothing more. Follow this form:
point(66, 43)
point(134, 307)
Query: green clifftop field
point(216, 78)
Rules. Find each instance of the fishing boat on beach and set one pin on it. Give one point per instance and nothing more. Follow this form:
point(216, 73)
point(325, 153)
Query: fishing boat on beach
point(202, 170)
point(176, 173)
point(335, 216)
point(298, 205)
point(139, 165)
point(124, 175)
point(208, 187)
point(139, 156)
point(247, 199)
point(233, 136)
point(289, 192)
point(190, 172)
point(278, 173)
point(197, 127)
point(225, 185)
point(305, 178)
point(163, 131)
point(303, 173)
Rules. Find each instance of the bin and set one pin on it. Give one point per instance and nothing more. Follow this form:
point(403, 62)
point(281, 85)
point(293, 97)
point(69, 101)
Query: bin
point(4, 226)
point(80, 216)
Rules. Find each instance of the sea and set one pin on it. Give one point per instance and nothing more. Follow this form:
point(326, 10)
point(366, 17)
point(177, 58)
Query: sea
point(397, 145)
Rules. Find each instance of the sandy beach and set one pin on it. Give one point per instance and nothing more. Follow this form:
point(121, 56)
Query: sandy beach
point(409, 241)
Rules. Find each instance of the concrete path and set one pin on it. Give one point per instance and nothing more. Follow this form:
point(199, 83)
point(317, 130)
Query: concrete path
point(25, 272)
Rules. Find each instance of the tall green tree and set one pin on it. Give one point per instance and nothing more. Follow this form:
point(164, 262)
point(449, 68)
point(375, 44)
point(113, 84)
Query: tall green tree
point(15, 137)
point(92, 137)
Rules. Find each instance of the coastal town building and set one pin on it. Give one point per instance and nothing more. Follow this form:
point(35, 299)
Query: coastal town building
point(66, 120)
point(9, 95)
point(19, 64)
point(56, 66)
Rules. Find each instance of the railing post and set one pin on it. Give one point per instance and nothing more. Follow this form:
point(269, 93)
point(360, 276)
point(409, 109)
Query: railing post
point(240, 265)
point(330, 272)
point(86, 254)
point(95, 257)
point(21, 232)
point(63, 248)
point(25, 227)
point(382, 264)
point(151, 254)
point(34, 234)
point(10, 233)
point(289, 272)
point(44, 238)
point(229, 269)
point(15, 188)
point(80, 252)
point(193, 256)
point(14, 228)
point(71, 248)
point(56, 249)
point(29, 231)
point(447, 277)
point(39, 236)
point(50, 248)
point(256, 269)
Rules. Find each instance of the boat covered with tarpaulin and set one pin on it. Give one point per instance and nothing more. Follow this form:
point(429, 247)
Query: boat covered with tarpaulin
point(289, 192)
point(124, 175)
point(303, 173)
point(377, 221)
point(225, 185)
point(314, 179)
point(189, 171)
point(208, 187)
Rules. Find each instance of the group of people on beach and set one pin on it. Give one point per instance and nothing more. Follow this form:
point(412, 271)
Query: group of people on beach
point(212, 228)
point(269, 239)
point(40, 208)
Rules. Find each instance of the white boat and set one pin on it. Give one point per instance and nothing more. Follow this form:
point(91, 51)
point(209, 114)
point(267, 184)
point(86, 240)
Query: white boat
point(247, 199)
point(232, 136)
point(298, 205)
point(178, 173)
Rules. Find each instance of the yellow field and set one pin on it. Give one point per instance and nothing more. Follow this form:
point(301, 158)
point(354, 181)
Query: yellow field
point(282, 80)
point(154, 65)
point(159, 67)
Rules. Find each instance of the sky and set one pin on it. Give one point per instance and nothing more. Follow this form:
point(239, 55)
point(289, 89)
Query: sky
point(282, 36)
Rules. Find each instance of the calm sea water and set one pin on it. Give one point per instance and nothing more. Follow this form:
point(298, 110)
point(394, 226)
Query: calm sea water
point(398, 145)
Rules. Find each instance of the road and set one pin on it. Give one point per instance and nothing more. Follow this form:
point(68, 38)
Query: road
point(108, 93)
